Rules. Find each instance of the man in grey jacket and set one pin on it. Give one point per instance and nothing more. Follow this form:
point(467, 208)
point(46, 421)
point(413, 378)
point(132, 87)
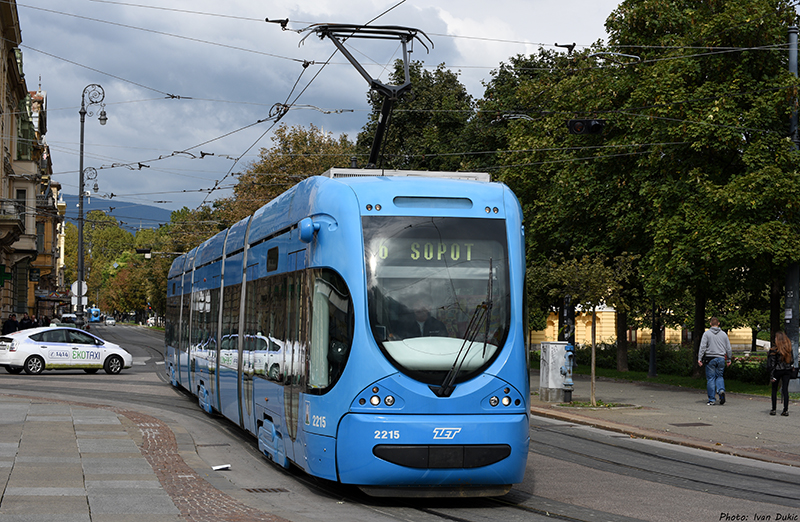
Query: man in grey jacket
point(715, 353)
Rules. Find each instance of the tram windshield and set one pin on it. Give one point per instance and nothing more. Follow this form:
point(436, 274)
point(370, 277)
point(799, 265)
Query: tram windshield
point(438, 293)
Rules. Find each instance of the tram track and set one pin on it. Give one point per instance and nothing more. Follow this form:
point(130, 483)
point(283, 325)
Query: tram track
point(586, 447)
point(701, 473)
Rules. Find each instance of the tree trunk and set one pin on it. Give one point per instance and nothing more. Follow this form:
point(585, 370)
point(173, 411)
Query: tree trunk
point(622, 341)
point(594, 353)
point(775, 295)
point(699, 325)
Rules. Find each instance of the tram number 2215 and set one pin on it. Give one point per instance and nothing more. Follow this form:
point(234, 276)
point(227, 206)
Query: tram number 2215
point(384, 434)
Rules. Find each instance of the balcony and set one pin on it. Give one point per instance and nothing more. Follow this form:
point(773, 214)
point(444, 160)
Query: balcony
point(12, 222)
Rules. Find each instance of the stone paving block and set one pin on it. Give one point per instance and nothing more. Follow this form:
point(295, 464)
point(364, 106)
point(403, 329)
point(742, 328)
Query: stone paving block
point(154, 503)
point(53, 517)
point(46, 492)
point(100, 421)
point(104, 477)
point(46, 475)
point(22, 505)
point(50, 408)
point(14, 413)
point(48, 460)
point(83, 433)
point(107, 486)
point(114, 466)
point(49, 418)
point(99, 517)
point(108, 446)
point(8, 449)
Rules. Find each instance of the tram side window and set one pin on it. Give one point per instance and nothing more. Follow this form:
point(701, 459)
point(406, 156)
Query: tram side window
point(185, 305)
point(253, 351)
point(173, 304)
point(213, 323)
point(266, 308)
point(294, 352)
point(229, 346)
point(331, 329)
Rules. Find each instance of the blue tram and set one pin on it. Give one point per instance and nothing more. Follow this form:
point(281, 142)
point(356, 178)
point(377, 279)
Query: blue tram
point(368, 327)
point(94, 315)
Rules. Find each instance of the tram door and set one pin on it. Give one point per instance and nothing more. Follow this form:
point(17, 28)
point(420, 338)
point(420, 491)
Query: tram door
point(247, 353)
point(294, 377)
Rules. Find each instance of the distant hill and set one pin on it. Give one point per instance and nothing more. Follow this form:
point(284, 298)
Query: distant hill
point(131, 216)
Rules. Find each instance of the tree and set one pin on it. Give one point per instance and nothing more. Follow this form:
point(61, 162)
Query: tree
point(578, 194)
point(590, 280)
point(722, 181)
point(693, 173)
point(427, 126)
point(297, 153)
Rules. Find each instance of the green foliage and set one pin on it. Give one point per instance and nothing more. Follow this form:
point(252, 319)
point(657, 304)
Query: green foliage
point(693, 175)
point(427, 126)
point(296, 154)
point(672, 360)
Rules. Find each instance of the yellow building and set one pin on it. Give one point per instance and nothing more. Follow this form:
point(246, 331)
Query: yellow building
point(606, 332)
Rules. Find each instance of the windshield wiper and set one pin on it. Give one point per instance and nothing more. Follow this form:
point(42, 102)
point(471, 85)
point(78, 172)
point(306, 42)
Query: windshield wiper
point(481, 316)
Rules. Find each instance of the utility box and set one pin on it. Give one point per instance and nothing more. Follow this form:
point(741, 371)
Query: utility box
point(555, 375)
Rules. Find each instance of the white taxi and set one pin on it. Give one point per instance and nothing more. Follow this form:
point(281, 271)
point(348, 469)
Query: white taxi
point(54, 348)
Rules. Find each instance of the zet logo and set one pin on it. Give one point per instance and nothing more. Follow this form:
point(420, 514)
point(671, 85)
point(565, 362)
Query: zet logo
point(445, 433)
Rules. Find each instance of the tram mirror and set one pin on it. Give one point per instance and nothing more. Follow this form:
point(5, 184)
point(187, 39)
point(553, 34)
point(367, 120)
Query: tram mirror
point(307, 228)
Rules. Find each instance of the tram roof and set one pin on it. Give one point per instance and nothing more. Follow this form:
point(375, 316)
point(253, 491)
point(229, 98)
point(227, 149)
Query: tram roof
point(362, 173)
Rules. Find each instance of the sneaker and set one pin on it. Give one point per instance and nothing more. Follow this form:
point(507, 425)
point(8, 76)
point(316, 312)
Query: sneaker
point(710, 403)
point(721, 398)
point(772, 412)
point(784, 413)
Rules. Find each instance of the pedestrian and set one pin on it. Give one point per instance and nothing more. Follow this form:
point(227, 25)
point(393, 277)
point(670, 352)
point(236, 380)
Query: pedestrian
point(779, 363)
point(715, 353)
point(25, 322)
point(11, 324)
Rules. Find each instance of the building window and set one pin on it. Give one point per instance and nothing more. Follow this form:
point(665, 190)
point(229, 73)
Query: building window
point(40, 237)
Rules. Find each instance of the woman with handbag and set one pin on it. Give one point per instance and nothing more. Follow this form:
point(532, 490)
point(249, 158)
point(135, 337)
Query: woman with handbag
point(779, 364)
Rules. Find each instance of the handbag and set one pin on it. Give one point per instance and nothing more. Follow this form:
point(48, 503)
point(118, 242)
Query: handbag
point(793, 372)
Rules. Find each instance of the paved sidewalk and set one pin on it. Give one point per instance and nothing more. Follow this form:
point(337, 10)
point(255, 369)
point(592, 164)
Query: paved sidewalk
point(75, 462)
point(741, 427)
point(69, 462)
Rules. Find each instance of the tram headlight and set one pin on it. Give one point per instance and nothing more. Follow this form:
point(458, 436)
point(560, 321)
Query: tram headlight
point(374, 400)
point(506, 401)
point(494, 401)
point(389, 400)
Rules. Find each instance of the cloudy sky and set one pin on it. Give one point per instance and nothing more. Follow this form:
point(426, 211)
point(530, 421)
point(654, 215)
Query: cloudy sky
point(199, 75)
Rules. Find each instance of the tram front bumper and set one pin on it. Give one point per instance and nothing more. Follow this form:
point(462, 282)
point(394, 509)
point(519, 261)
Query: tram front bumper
point(432, 450)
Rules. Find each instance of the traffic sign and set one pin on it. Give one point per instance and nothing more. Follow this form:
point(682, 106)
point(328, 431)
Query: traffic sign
point(83, 288)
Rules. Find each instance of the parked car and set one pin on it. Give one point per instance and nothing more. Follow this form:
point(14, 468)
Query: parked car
point(151, 321)
point(110, 321)
point(57, 348)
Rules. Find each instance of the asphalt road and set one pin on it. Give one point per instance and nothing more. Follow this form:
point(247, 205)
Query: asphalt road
point(574, 472)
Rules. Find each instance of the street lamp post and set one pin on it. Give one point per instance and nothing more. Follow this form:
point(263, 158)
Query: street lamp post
point(95, 95)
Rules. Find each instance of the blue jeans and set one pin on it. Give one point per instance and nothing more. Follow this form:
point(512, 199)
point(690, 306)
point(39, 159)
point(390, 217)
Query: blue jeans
point(714, 381)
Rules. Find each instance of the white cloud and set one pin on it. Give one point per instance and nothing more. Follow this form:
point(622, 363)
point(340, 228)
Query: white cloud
point(230, 70)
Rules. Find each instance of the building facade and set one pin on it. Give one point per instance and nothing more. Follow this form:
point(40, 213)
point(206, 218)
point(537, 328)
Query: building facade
point(606, 332)
point(29, 215)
